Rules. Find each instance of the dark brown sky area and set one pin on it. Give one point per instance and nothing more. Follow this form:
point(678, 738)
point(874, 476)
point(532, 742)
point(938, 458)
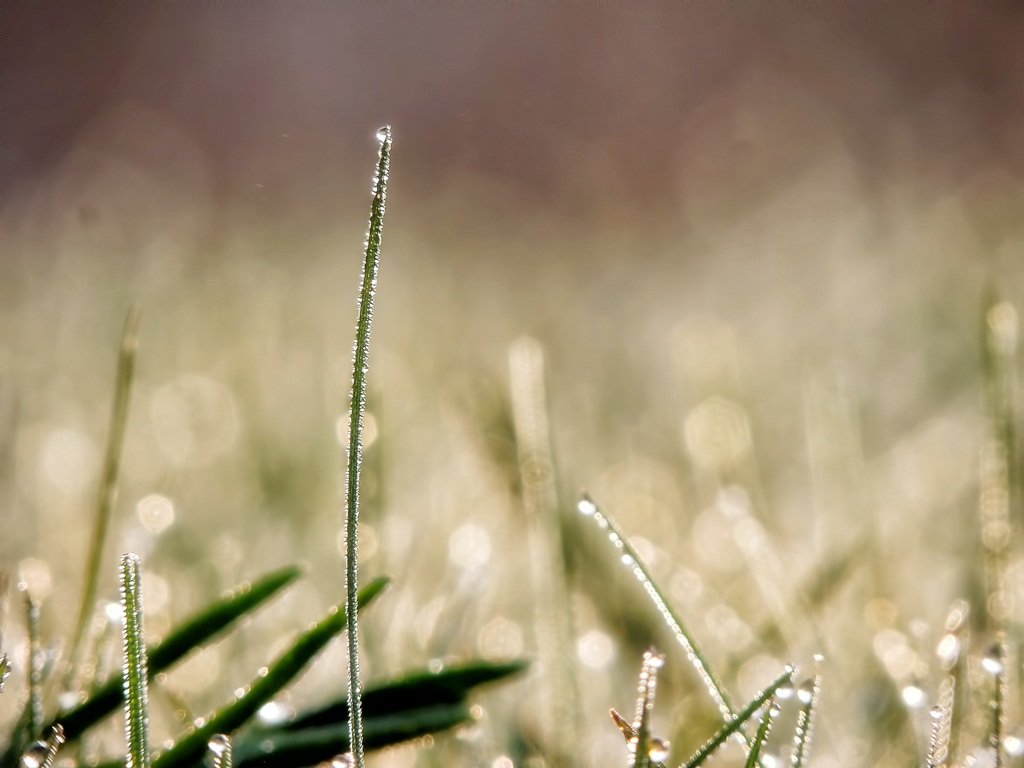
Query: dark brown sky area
point(577, 107)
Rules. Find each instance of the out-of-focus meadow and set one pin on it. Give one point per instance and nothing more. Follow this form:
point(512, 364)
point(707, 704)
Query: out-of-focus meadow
point(753, 242)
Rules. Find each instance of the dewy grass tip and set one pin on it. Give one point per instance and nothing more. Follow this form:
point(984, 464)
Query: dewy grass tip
point(360, 366)
point(135, 691)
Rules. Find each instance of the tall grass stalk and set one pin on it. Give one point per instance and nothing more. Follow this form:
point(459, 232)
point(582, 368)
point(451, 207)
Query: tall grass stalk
point(694, 655)
point(135, 690)
point(360, 367)
point(35, 666)
point(107, 493)
point(544, 533)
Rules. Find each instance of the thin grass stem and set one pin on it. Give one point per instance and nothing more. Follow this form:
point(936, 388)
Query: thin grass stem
point(631, 559)
point(107, 493)
point(136, 705)
point(734, 725)
point(765, 726)
point(360, 367)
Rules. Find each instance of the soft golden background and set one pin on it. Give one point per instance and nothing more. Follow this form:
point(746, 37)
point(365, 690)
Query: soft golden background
point(751, 238)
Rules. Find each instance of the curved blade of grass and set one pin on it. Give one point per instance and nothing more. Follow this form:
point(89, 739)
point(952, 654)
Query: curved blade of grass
point(360, 366)
point(418, 690)
point(136, 705)
point(107, 493)
point(629, 557)
point(192, 634)
point(808, 694)
point(290, 749)
point(190, 748)
point(733, 726)
point(761, 735)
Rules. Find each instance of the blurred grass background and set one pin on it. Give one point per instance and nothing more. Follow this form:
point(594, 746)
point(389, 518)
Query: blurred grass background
point(751, 239)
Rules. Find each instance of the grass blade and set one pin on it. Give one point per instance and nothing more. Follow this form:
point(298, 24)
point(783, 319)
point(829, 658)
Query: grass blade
point(629, 557)
point(192, 634)
point(762, 734)
point(290, 749)
point(190, 748)
point(808, 694)
point(136, 705)
point(360, 366)
point(733, 726)
point(640, 743)
point(539, 492)
point(5, 670)
point(417, 690)
point(34, 705)
point(107, 493)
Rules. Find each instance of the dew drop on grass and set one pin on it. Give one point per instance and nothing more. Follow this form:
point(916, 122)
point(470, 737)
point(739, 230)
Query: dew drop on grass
point(784, 691)
point(343, 761)
point(659, 749)
point(35, 755)
point(805, 693)
point(993, 661)
point(912, 695)
point(936, 712)
point(383, 133)
point(218, 744)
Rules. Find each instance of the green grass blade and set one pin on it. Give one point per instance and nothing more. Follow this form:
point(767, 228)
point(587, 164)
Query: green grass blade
point(107, 488)
point(192, 634)
point(629, 557)
point(289, 749)
point(190, 748)
point(5, 670)
point(34, 705)
point(136, 705)
point(640, 744)
point(761, 736)
point(417, 690)
point(360, 366)
point(733, 726)
point(808, 694)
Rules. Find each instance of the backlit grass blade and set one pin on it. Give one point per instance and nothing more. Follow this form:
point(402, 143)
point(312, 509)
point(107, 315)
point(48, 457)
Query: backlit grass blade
point(136, 705)
point(640, 743)
point(559, 696)
point(808, 694)
point(360, 366)
point(770, 713)
point(192, 634)
point(34, 705)
point(629, 557)
point(190, 747)
point(417, 690)
point(309, 746)
point(107, 492)
point(5, 670)
point(733, 726)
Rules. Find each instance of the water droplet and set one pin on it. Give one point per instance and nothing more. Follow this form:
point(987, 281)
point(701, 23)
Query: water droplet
point(993, 660)
point(784, 691)
point(774, 709)
point(384, 133)
point(806, 691)
point(343, 761)
point(219, 744)
point(658, 750)
point(35, 755)
point(654, 659)
point(1014, 745)
point(586, 507)
point(913, 696)
point(948, 649)
point(937, 712)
